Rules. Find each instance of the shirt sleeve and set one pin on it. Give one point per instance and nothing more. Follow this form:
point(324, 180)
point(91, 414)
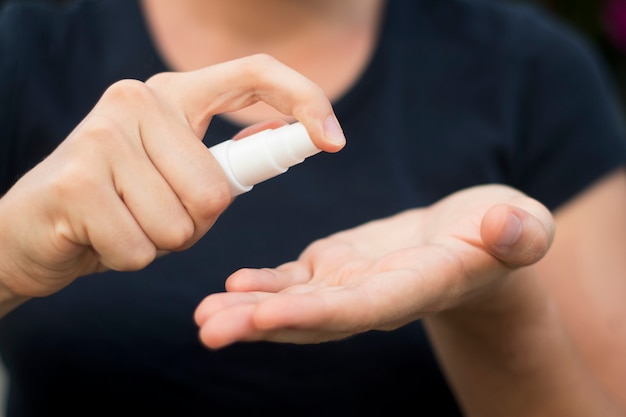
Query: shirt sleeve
point(572, 121)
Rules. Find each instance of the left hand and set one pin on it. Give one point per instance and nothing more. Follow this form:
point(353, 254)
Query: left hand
point(383, 274)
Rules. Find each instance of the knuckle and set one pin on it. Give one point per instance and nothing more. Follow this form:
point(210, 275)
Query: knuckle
point(259, 63)
point(99, 132)
point(258, 67)
point(128, 92)
point(177, 235)
point(70, 181)
point(211, 200)
point(162, 80)
point(140, 257)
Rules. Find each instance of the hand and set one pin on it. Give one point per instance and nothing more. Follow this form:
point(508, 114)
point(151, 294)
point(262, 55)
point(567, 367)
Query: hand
point(134, 179)
point(383, 274)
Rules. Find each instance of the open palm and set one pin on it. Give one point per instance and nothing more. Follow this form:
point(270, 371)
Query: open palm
point(382, 274)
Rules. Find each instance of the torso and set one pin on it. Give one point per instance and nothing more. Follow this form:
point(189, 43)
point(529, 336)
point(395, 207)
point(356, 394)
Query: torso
point(437, 109)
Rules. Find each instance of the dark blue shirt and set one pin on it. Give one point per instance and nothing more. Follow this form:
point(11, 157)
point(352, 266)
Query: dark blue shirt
point(458, 93)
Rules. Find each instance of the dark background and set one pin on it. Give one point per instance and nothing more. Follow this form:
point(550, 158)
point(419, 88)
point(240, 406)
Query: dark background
point(603, 22)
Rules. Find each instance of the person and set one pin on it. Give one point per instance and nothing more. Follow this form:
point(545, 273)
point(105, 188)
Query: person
point(463, 252)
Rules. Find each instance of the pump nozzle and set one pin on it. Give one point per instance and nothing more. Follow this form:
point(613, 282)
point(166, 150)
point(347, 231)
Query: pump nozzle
point(263, 155)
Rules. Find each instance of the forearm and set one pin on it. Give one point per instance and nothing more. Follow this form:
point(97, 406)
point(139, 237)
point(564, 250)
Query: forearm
point(509, 354)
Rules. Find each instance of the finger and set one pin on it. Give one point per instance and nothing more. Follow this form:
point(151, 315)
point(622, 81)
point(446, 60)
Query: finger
point(236, 84)
point(230, 318)
point(157, 211)
point(154, 137)
point(304, 307)
point(306, 310)
point(214, 303)
point(97, 217)
point(100, 219)
point(228, 326)
point(189, 169)
point(516, 236)
point(116, 237)
point(258, 127)
point(152, 201)
point(269, 280)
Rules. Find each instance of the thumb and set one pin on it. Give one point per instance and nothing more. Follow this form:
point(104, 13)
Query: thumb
point(516, 236)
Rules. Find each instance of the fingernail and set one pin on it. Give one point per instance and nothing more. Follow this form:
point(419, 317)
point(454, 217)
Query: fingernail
point(511, 231)
point(333, 131)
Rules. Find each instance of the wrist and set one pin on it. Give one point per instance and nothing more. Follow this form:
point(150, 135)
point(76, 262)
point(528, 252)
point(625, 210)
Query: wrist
point(517, 294)
point(10, 273)
point(9, 300)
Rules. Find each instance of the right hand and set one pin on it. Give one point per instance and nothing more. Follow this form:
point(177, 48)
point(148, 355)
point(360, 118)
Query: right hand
point(134, 180)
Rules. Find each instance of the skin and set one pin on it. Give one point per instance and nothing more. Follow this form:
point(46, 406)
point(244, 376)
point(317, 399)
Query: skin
point(114, 219)
point(550, 340)
point(339, 286)
point(522, 305)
